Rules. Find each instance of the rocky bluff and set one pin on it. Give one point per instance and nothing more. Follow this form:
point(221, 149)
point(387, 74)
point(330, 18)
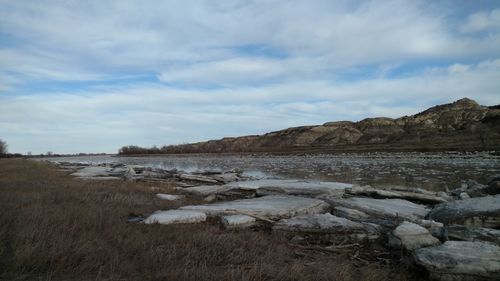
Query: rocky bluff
point(462, 125)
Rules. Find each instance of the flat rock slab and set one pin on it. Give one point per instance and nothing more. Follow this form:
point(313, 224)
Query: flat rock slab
point(176, 216)
point(459, 260)
point(481, 212)
point(383, 208)
point(326, 224)
point(170, 197)
point(411, 236)
point(270, 207)
point(238, 221)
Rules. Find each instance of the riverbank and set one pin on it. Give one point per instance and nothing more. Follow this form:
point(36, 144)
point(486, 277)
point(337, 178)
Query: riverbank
point(463, 125)
point(56, 227)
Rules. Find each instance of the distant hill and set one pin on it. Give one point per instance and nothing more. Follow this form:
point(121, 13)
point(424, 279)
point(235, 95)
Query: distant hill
point(462, 125)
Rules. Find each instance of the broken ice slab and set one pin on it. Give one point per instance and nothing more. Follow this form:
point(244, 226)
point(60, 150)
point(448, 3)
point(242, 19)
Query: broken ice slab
point(292, 187)
point(461, 260)
point(350, 214)
point(270, 207)
point(479, 212)
point(464, 233)
point(93, 171)
point(226, 177)
point(383, 208)
point(411, 236)
point(100, 171)
point(255, 184)
point(176, 216)
point(204, 190)
point(237, 221)
point(426, 197)
point(327, 224)
point(170, 197)
point(198, 178)
point(274, 187)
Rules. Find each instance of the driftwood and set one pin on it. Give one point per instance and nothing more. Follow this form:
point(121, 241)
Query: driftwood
point(332, 249)
point(356, 254)
point(344, 246)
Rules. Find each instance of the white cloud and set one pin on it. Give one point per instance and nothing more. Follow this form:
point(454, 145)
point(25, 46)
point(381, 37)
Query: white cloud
point(246, 70)
point(104, 119)
point(458, 67)
point(116, 37)
point(480, 21)
point(227, 71)
point(7, 82)
point(229, 68)
point(42, 65)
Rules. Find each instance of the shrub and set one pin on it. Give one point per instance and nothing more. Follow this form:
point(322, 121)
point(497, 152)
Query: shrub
point(3, 148)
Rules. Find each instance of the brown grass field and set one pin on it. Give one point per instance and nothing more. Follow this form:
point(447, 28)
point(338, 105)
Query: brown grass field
point(54, 227)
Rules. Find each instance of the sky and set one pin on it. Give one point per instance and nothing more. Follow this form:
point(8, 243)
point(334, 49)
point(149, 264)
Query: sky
point(92, 76)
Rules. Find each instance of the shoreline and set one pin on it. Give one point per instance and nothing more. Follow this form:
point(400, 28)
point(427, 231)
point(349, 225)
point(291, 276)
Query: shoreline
point(80, 232)
point(411, 152)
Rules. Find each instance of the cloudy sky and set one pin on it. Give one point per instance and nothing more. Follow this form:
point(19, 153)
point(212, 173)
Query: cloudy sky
point(92, 76)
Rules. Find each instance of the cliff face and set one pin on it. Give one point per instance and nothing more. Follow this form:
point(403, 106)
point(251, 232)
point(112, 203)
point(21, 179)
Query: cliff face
point(462, 125)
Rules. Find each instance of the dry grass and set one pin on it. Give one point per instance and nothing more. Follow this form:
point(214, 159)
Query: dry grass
point(53, 227)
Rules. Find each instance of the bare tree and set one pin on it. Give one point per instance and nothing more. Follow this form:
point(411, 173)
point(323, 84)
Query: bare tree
point(3, 147)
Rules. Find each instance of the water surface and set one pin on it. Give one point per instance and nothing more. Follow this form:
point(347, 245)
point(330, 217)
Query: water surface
point(432, 171)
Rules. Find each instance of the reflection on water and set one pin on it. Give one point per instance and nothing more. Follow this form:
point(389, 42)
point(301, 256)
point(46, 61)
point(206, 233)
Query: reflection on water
point(433, 171)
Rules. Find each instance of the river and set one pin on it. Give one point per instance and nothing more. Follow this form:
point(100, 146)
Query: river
point(431, 171)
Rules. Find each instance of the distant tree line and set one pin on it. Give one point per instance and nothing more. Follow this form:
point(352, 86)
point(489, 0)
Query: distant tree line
point(201, 147)
point(134, 149)
point(4, 152)
point(166, 149)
